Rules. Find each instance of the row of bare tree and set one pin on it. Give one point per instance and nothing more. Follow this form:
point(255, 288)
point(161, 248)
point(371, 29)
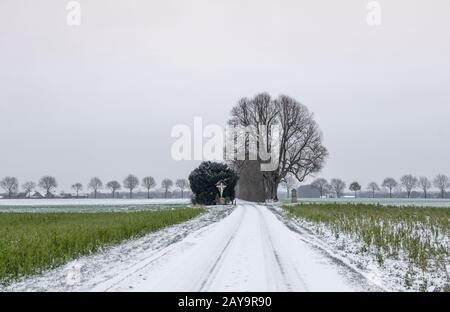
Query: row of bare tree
point(408, 182)
point(48, 183)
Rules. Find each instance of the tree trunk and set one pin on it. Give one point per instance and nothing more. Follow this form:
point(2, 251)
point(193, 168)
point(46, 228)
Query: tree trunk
point(355, 194)
point(95, 193)
point(148, 193)
point(373, 193)
point(131, 193)
point(112, 194)
point(275, 192)
point(390, 193)
point(182, 194)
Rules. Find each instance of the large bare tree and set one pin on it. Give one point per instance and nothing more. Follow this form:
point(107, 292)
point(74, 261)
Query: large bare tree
point(442, 183)
point(28, 187)
point(425, 184)
point(338, 187)
point(48, 183)
point(409, 182)
point(321, 185)
point(131, 182)
point(390, 184)
point(77, 187)
point(297, 148)
point(166, 184)
point(373, 187)
point(95, 184)
point(182, 184)
point(10, 185)
point(148, 183)
point(113, 186)
point(355, 187)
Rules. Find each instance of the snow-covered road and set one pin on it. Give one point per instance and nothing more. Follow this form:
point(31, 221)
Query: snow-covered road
point(250, 250)
point(245, 249)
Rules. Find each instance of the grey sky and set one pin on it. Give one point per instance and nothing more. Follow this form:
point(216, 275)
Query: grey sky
point(100, 99)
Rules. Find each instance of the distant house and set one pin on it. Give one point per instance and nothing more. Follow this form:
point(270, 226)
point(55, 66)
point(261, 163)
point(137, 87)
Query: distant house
point(36, 195)
point(307, 191)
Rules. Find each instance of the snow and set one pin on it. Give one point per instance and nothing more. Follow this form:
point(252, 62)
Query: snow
point(92, 202)
point(87, 205)
point(416, 202)
point(243, 249)
point(390, 276)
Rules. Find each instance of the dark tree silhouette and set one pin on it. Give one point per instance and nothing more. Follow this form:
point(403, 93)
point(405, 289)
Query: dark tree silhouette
point(148, 183)
point(48, 183)
point(131, 182)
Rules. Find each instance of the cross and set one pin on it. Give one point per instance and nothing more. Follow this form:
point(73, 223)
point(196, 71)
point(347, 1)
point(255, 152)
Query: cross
point(221, 186)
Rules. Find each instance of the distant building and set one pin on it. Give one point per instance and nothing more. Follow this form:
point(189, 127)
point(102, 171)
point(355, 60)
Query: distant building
point(307, 191)
point(36, 195)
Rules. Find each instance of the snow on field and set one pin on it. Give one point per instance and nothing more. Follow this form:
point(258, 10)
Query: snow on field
point(248, 250)
point(92, 202)
point(391, 275)
point(417, 202)
point(87, 205)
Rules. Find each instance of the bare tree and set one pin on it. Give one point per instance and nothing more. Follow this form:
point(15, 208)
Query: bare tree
point(425, 184)
point(28, 187)
point(409, 182)
point(321, 185)
point(373, 186)
point(131, 182)
point(95, 184)
point(355, 187)
point(442, 183)
point(48, 183)
point(148, 183)
point(113, 186)
point(390, 184)
point(182, 184)
point(300, 151)
point(10, 185)
point(77, 187)
point(289, 182)
point(338, 187)
point(166, 184)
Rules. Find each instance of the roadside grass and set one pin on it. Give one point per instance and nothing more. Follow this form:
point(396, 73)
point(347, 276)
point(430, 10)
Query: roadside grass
point(33, 242)
point(418, 236)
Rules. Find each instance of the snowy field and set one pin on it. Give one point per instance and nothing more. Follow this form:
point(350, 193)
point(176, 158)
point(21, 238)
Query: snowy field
point(246, 248)
point(404, 251)
point(417, 202)
point(88, 205)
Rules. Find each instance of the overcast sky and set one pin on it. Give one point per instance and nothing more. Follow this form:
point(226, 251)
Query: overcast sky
point(100, 99)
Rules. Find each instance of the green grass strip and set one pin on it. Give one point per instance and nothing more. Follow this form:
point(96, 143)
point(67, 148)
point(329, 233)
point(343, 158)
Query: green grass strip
point(33, 242)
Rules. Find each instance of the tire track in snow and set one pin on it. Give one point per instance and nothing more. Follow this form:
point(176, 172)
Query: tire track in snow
point(277, 256)
point(213, 270)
